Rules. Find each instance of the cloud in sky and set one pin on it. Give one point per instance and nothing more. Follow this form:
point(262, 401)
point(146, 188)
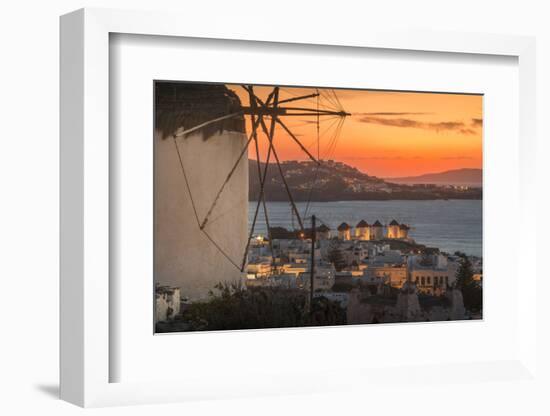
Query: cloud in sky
point(395, 157)
point(457, 126)
point(477, 122)
point(389, 113)
point(457, 158)
point(380, 157)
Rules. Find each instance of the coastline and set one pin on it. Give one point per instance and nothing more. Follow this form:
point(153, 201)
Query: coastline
point(451, 225)
point(372, 197)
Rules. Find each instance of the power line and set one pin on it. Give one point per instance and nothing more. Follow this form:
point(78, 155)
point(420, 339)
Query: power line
point(334, 122)
point(186, 180)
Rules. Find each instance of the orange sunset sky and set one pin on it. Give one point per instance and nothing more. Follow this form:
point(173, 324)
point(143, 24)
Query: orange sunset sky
point(389, 134)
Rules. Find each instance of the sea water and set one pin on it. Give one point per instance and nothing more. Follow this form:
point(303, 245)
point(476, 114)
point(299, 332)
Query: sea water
point(450, 225)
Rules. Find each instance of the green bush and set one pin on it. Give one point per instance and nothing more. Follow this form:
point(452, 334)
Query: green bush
point(234, 307)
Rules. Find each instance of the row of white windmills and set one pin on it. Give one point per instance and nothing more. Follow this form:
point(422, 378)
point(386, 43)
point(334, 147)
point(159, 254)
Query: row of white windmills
point(375, 231)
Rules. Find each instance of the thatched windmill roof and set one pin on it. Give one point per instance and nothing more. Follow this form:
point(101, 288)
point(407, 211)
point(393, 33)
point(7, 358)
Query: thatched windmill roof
point(362, 224)
point(186, 105)
point(343, 227)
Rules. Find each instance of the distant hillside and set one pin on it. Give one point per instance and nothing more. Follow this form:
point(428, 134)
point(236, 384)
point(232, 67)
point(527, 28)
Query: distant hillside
point(336, 181)
point(463, 177)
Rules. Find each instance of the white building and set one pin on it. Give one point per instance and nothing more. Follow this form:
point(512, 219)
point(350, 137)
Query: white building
point(432, 274)
point(284, 280)
point(355, 253)
point(294, 268)
point(259, 269)
point(395, 275)
point(167, 302)
point(321, 281)
point(387, 256)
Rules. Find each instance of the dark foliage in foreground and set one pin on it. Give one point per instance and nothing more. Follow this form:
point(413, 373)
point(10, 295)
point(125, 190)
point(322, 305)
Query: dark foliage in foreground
point(472, 292)
point(233, 307)
point(336, 257)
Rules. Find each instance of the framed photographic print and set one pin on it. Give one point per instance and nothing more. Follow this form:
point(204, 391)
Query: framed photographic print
point(286, 213)
point(363, 206)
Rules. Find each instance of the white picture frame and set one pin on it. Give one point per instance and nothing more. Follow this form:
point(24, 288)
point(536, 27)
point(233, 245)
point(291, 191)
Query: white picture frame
point(85, 166)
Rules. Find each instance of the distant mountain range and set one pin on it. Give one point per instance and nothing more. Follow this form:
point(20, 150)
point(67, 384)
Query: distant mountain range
point(459, 177)
point(336, 181)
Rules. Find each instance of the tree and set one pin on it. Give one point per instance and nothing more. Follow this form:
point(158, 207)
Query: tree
point(336, 257)
point(326, 312)
point(235, 307)
point(464, 274)
point(472, 293)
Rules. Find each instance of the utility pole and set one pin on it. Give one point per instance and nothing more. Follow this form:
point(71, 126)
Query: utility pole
point(313, 238)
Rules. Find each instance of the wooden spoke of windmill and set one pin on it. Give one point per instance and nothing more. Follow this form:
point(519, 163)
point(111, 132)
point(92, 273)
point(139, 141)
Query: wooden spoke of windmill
point(263, 113)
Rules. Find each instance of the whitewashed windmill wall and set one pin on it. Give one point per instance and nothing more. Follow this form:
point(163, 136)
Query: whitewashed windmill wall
point(184, 255)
